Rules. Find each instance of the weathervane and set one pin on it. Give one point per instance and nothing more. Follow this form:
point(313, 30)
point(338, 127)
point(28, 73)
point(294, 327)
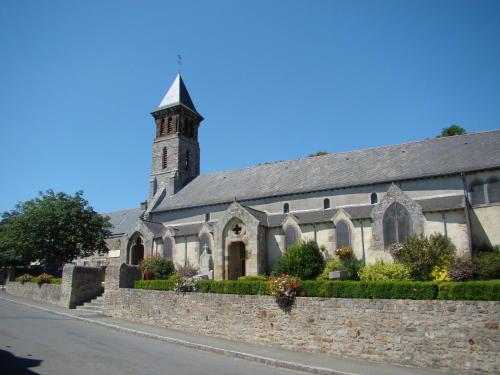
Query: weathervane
point(179, 62)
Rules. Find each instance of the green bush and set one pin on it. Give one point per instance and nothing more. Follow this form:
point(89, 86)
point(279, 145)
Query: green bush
point(461, 269)
point(487, 265)
point(25, 278)
point(252, 278)
point(233, 287)
point(303, 260)
point(333, 264)
point(470, 290)
point(160, 267)
point(44, 278)
point(381, 271)
point(155, 284)
point(370, 289)
point(422, 254)
point(352, 265)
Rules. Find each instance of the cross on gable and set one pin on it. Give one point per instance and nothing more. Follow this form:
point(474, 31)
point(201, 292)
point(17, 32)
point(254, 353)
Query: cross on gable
point(237, 229)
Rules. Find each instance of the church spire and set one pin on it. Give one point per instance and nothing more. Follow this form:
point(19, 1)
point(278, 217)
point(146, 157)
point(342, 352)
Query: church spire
point(177, 95)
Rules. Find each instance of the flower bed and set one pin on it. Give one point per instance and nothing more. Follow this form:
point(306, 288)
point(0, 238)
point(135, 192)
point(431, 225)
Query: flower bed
point(471, 290)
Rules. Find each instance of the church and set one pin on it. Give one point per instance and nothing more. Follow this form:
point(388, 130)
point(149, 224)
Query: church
point(239, 222)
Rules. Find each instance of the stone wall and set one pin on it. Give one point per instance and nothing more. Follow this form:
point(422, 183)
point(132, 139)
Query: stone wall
point(50, 293)
point(79, 285)
point(450, 335)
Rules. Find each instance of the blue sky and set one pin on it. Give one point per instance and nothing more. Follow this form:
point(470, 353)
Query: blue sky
point(275, 80)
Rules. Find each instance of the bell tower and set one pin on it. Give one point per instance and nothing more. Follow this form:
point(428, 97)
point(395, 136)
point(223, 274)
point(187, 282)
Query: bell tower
point(176, 151)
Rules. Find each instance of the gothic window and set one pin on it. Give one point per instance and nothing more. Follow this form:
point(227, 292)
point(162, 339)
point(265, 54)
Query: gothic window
point(207, 217)
point(396, 224)
point(169, 125)
point(162, 127)
point(373, 198)
point(168, 248)
point(291, 236)
point(343, 234)
point(187, 161)
point(164, 158)
point(286, 208)
point(326, 203)
point(493, 189)
point(476, 192)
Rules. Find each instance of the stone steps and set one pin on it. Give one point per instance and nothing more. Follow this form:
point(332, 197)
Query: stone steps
point(96, 305)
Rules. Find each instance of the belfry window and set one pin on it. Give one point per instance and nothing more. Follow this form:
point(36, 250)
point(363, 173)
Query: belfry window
point(169, 125)
point(286, 208)
point(373, 198)
point(396, 224)
point(343, 234)
point(326, 203)
point(162, 127)
point(164, 158)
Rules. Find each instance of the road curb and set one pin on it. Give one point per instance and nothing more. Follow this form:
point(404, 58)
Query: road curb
point(207, 348)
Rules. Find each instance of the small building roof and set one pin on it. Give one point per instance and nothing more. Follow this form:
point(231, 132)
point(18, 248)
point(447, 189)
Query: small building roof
point(429, 158)
point(122, 220)
point(177, 94)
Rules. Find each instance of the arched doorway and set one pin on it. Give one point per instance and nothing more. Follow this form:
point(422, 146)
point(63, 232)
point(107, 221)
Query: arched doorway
point(236, 261)
point(137, 251)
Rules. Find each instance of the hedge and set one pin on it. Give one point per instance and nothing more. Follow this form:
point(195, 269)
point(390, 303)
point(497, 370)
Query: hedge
point(417, 290)
point(55, 280)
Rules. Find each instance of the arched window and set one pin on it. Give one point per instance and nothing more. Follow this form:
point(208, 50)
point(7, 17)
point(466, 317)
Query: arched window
point(396, 223)
point(286, 208)
point(168, 248)
point(291, 236)
point(169, 125)
point(476, 192)
point(373, 198)
point(343, 234)
point(164, 158)
point(207, 216)
point(326, 203)
point(493, 189)
point(187, 160)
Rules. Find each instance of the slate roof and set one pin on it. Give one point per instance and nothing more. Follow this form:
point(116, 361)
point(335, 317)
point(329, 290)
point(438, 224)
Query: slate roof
point(122, 220)
point(177, 94)
point(434, 157)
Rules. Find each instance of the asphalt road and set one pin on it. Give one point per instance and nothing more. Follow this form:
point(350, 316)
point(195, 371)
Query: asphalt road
point(38, 342)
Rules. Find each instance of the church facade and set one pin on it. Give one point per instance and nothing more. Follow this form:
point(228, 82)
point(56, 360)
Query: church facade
point(240, 222)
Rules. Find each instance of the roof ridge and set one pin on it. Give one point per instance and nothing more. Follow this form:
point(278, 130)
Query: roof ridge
point(119, 211)
point(352, 151)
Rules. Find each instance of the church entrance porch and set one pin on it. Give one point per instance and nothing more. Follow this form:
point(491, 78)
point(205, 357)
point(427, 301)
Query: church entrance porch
point(137, 251)
point(236, 261)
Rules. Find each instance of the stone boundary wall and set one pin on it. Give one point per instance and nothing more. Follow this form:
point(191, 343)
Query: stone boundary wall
point(50, 293)
point(79, 285)
point(460, 336)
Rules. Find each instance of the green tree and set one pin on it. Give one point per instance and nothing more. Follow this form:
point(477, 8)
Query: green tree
point(53, 228)
point(318, 153)
point(452, 130)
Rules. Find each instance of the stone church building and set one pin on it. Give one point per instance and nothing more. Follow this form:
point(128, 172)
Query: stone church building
point(241, 221)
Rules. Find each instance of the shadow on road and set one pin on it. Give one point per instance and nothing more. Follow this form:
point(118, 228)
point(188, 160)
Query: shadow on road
point(17, 365)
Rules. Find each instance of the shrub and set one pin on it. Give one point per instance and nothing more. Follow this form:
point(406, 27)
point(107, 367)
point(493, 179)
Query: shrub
point(303, 260)
point(25, 278)
point(252, 278)
point(155, 284)
point(352, 265)
point(421, 254)
point(487, 265)
point(381, 271)
point(440, 273)
point(187, 271)
point(233, 287)
point(44, 278)
point(333, 264)
point(160, 267)
point(461, 269)
point(470, 290)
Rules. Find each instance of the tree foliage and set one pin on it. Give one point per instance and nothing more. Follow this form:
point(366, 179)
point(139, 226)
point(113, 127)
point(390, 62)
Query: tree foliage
point(303, 260)
point(53, 228)
point(452, 130)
